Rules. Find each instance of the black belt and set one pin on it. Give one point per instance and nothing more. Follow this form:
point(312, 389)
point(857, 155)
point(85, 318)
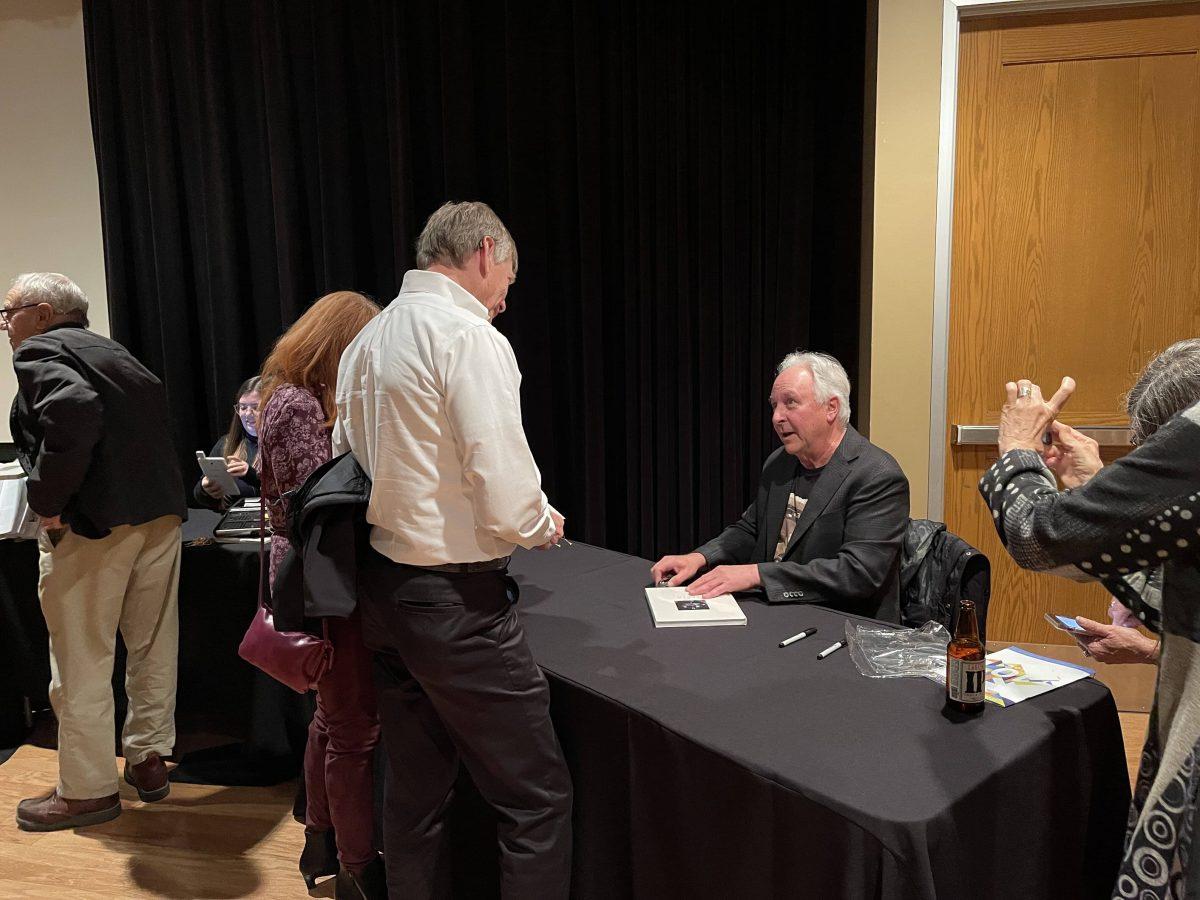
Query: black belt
point(488, 565)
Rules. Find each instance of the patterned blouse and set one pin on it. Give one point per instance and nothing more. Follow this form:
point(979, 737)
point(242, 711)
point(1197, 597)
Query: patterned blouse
point(1135, 527)
point(292, 442)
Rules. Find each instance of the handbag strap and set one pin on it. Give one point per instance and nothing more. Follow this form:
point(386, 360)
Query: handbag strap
point(263, 574)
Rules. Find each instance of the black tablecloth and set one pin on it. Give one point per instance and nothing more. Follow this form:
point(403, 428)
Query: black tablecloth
point(220, 693)
point(219, 696)
point(708, 762)
point(25, 660)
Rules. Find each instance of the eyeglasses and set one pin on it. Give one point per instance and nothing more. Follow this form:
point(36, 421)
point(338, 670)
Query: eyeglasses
point(6, 312)
point(247, 407)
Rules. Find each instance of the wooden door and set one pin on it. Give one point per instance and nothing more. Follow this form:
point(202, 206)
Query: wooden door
point(1076, 248)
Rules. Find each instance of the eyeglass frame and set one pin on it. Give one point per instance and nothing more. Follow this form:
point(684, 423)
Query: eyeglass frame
point(7, 311)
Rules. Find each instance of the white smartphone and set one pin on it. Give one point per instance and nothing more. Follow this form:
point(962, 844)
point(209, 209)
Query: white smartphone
point(214, 467)
point(1065, 623)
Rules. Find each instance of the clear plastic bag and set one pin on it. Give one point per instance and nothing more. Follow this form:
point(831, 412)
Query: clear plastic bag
point(882, 652)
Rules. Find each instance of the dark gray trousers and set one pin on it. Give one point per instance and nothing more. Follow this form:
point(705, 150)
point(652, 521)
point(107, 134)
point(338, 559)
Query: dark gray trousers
point(456, 680)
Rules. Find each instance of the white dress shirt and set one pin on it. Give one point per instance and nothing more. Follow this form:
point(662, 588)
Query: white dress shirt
point(428, 398)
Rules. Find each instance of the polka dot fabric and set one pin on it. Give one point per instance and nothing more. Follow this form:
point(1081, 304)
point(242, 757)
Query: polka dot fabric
point(1134, 527)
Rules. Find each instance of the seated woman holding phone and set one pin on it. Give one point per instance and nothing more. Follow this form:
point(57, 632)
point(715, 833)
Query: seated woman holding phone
point(239, 447)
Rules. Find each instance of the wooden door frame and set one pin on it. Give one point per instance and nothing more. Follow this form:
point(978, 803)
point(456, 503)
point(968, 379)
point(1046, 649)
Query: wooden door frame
point(954, 12)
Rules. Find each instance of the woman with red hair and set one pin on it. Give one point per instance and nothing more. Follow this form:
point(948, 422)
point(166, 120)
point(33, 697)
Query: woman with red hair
point(295, 416)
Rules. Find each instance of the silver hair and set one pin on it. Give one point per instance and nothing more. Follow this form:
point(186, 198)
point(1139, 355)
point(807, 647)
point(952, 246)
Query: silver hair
point(65, 297)
point(829, 378)
point(455, 231)
point(1169, 383)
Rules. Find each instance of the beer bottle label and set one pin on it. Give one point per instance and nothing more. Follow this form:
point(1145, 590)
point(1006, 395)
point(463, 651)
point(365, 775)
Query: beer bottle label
point(966, 678)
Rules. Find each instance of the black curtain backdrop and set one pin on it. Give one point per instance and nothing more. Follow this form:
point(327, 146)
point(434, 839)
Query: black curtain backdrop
point(684, 183)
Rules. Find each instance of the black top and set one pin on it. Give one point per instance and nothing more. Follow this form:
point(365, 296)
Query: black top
point(247, 484)
point(802, 484)
point(92, 432)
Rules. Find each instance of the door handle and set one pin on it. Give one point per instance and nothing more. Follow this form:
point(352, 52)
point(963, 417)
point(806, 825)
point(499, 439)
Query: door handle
point(989, 435)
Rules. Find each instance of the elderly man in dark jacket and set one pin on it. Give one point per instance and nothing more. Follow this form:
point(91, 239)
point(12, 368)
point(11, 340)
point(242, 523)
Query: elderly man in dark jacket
point(90, 425)
point(829, 515)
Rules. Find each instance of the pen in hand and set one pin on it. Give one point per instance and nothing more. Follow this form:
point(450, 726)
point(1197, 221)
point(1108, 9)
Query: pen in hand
point(832, 648)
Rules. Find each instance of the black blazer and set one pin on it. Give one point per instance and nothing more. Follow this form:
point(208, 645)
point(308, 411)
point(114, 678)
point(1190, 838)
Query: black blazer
point(92, 432)
point(845, 550)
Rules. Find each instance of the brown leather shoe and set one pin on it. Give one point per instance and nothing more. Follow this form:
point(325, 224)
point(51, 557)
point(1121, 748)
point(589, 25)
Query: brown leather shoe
point(51, 812)
point(149, 777)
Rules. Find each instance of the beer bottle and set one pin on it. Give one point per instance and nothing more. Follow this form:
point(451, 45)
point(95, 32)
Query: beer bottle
point(965, 663)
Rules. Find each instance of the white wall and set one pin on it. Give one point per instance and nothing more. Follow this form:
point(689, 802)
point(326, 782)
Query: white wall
point(49, 194)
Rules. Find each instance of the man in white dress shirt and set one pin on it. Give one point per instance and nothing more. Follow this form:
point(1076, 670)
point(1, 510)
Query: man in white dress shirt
point(428, 399)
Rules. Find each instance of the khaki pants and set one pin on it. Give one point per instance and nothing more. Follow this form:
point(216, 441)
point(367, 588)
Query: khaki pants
point(88, 590)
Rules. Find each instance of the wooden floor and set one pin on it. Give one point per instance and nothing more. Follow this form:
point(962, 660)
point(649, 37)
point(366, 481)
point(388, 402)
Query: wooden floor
point(200, 842)
point(1133, 727)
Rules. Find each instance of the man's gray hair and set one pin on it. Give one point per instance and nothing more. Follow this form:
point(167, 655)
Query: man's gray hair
point(829, 378)
point(1169, 383)
point(455, 231)
point(65, 297)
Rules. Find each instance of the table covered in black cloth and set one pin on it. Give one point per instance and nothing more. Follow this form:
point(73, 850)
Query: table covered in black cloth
point(708, 762)
point(219, 693)
point(219, 696)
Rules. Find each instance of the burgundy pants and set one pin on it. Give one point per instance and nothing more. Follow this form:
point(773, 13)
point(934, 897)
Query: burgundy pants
point(339, 758)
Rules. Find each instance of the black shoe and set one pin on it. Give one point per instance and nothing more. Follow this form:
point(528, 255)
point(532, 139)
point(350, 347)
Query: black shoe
point(369, 884)
point(319, 857)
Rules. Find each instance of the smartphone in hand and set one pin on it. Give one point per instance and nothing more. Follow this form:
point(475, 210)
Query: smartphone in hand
point(1067, 624)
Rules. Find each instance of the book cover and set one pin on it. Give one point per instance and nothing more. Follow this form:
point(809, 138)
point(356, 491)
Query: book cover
point(674, 607)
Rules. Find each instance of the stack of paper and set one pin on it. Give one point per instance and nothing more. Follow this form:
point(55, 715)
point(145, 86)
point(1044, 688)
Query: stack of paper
point(17, 520)
point(674, 607)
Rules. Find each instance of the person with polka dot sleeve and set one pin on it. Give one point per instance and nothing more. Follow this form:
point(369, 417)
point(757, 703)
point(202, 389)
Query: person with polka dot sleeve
point(1133, 526)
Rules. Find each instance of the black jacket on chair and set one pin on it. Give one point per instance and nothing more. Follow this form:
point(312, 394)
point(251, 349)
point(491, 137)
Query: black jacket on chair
point(327, 528)
point(844, 552)
point(937, 569)
point(92, 432)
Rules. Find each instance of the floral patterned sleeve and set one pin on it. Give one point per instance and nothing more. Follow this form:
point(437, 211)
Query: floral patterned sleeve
point(1134, 516)
point(293, 441)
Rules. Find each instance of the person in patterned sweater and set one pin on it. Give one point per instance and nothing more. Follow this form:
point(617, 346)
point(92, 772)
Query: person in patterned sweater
point(1133, 525)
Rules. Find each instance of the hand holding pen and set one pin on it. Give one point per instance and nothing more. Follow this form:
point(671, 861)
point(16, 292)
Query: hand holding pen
point(558, 538)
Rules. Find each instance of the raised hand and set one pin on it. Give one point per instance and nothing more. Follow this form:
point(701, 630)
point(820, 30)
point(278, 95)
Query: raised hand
point(1026, 416)
point(1072, 456)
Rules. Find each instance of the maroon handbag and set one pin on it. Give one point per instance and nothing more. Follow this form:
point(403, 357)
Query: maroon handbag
point(296, 658)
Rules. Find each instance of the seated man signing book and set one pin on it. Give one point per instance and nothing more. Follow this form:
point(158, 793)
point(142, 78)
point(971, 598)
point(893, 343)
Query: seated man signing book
point(829, 516)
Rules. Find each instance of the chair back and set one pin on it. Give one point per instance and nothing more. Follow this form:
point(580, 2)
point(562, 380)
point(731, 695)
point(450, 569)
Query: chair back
point(937, 569)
